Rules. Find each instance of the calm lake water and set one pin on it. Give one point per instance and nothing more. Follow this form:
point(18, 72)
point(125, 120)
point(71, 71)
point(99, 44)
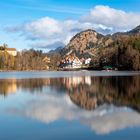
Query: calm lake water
point(81, 105)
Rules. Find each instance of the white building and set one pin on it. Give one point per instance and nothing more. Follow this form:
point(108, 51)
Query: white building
point(87, 61)
point(76, 63)
point(11, 51)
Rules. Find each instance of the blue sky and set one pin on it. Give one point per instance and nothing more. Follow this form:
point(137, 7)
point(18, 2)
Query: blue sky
point(46, 24)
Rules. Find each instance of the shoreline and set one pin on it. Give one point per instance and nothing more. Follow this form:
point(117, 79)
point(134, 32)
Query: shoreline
point(64, 74)
point(67, 70)
point(26, 70)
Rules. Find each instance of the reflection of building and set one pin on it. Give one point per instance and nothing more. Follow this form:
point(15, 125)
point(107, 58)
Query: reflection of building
point(88, 80)
point(71, 82)
point(12, 88)
point(8, 86)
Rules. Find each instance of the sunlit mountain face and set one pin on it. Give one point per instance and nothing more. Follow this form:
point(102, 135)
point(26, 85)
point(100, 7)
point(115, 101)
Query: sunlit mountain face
point(93, 101)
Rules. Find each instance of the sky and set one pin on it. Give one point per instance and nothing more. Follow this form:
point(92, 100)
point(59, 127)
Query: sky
point(48, 24)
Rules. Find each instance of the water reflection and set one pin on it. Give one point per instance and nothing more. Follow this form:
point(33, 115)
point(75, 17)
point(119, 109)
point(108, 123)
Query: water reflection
point(120, 91)
point(105, 104)
point(86, 92)
point(8, 87)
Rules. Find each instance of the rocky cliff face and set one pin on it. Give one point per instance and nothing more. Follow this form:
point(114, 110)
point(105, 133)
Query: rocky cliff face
point(87, 43)
point(84, 39)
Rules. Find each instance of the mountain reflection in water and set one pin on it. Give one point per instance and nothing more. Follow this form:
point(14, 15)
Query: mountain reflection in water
point(86, 92)
point(105, 104)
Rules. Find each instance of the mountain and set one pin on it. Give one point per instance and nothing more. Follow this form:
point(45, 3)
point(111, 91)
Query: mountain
point(86, 42)
point(134, 31)
point(121, 48)
point(57, 50)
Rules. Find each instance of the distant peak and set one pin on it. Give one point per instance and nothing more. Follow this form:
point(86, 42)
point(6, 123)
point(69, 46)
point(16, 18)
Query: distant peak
point(135, 30)
point(90, 31)
point(138, 27)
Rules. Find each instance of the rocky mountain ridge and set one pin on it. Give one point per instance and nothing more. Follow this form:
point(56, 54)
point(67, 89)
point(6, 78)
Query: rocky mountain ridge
point(87, 40)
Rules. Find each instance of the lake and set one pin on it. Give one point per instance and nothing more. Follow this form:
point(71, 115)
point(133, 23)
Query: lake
point(80, 105)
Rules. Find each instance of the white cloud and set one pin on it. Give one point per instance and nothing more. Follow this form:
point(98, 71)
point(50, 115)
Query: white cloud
point(117, 19)
point(101, 18)
point(114, 121)
point(49, 30)
point(44, 27)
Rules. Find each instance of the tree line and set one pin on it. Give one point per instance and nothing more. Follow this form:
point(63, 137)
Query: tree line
point(124, 51)
point(27, 60)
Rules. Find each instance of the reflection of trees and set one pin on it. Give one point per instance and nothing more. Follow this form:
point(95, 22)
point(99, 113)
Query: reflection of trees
point(120, 91)
point(8, 86)
point(33, 85)
point(36, 85)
